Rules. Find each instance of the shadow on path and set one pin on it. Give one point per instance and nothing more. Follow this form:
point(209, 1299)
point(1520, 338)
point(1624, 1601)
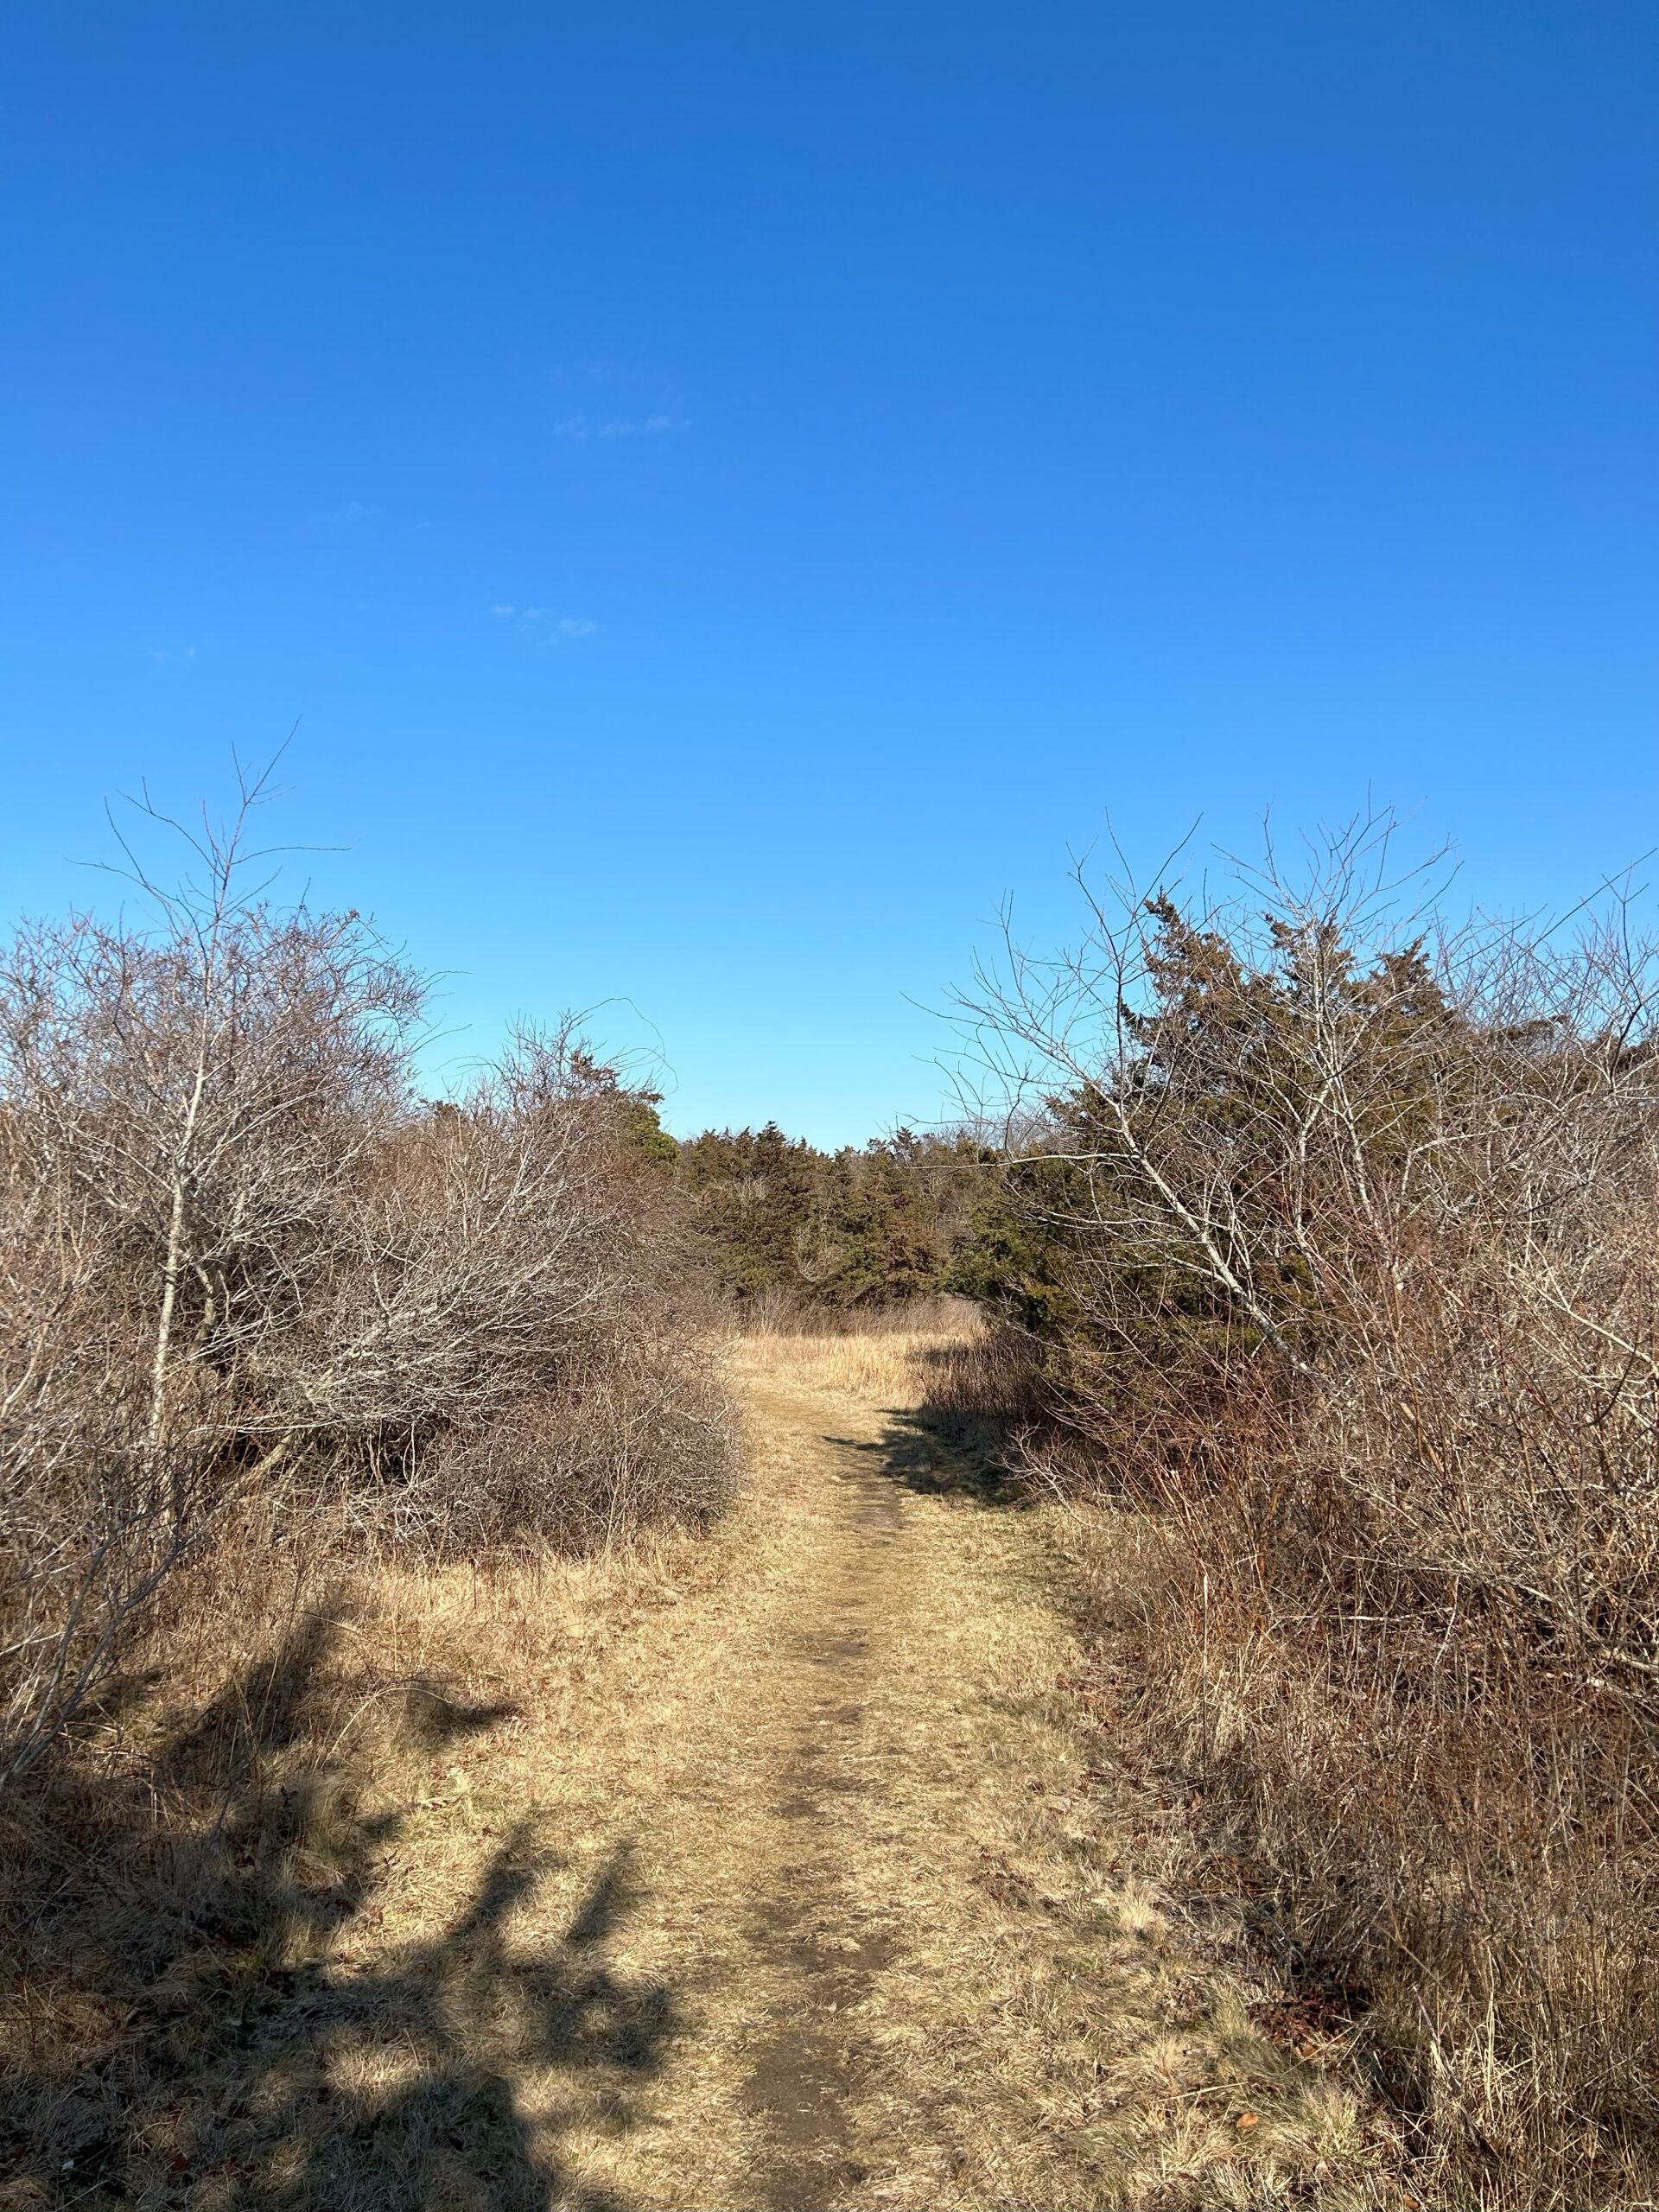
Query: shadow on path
point(928, 1452)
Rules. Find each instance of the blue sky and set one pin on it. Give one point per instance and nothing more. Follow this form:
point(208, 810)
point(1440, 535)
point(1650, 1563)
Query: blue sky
point(736, 493)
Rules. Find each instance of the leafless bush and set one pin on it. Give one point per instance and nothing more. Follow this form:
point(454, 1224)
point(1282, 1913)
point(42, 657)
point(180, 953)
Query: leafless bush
point(182, 1107)
point(635, 1440)
point(1357, 1218)
point(238, 1256)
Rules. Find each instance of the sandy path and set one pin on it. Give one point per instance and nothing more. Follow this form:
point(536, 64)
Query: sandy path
point(808, 1932)
point(927, 1973)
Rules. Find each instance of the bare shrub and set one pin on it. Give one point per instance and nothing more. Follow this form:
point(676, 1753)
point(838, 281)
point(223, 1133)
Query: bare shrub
point(506, 1250)
point(181, 1107)
point(242, 1265)
point(1357, 1218)
point(89, 1522)
point(638, 1440)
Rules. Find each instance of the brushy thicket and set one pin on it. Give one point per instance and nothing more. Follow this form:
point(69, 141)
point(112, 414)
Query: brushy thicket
point(253, 1292)
point(1343, 1235)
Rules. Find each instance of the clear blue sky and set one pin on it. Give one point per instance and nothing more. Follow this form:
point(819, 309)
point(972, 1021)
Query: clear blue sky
point(736, 492)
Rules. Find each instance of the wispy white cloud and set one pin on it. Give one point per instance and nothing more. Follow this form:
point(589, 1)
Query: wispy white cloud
point(580, 427)
point(171, 656)
point(354, 511)
point(545, 625)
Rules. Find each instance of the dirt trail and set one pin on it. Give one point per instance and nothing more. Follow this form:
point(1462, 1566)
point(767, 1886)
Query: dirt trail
point(807, 1931)
point(925, 1972)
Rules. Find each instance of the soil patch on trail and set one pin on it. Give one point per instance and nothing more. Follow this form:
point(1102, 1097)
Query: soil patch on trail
point(805, 2075)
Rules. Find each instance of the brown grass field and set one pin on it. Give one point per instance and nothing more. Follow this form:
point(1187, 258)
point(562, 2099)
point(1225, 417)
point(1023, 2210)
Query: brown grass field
point(788, 1867)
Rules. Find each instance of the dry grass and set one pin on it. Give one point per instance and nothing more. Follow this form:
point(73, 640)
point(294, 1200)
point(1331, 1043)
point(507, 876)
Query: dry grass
point(557, 1885)
point(366, 1919)
point(890, 1366)
point(941, 1317)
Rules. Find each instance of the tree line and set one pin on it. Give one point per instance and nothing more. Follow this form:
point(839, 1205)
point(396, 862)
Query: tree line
point(783, 1226)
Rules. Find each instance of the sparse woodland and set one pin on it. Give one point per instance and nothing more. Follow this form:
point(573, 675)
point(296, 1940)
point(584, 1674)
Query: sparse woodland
point(1314, 1238)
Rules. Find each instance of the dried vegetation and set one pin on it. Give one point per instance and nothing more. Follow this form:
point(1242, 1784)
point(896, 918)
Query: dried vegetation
point(1354, 1220)
point(303, 1381)
point(1325, 1247)
point(255, 1297)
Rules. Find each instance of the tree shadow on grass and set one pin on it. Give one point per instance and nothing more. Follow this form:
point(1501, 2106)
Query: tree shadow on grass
point(192, 2025)
point(938, 1452)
